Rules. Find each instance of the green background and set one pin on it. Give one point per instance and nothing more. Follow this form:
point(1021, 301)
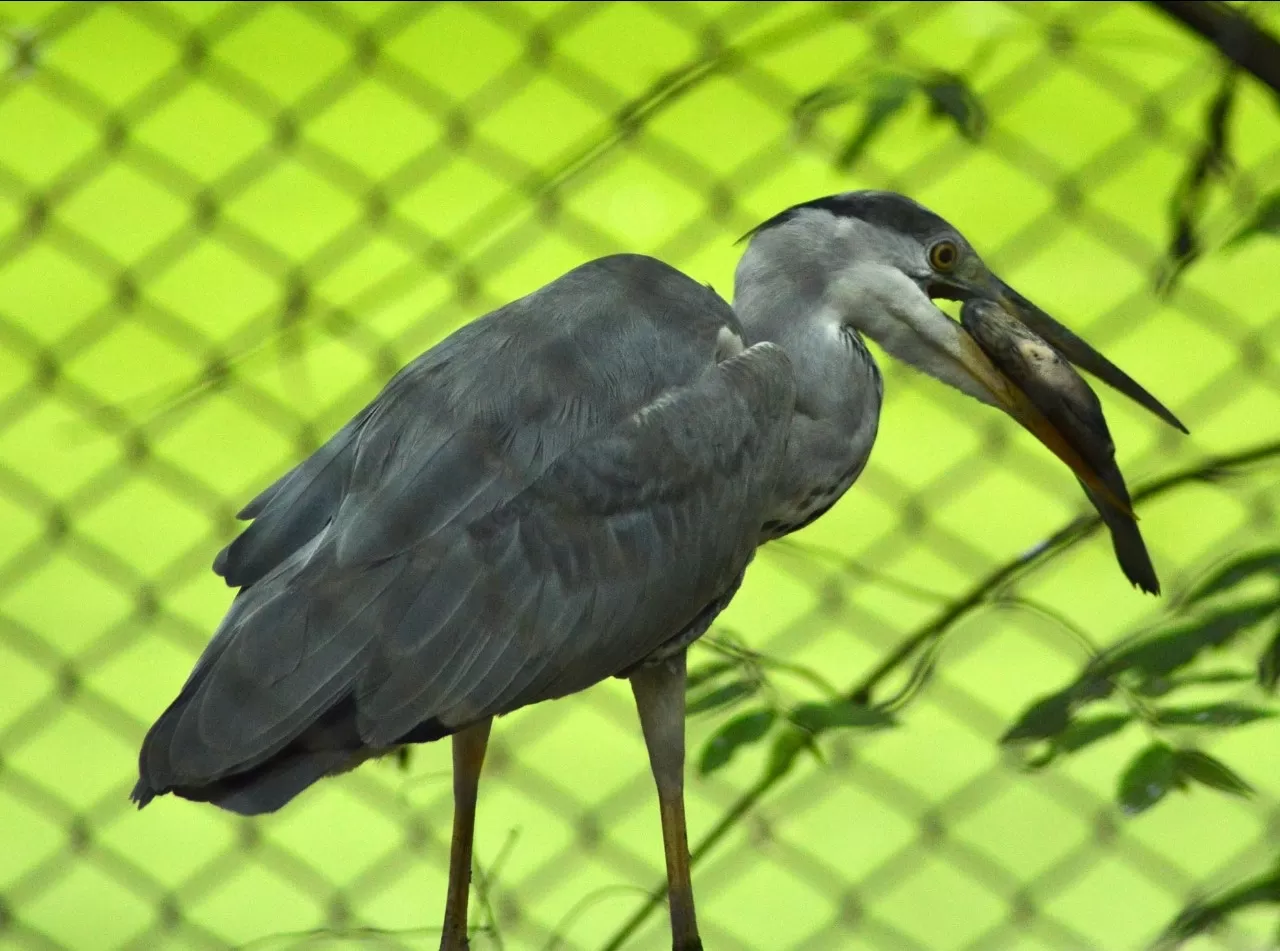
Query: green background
point(222, 227)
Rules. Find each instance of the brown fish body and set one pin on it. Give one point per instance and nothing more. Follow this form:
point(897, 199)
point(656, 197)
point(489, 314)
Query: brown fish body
point(1053, 387)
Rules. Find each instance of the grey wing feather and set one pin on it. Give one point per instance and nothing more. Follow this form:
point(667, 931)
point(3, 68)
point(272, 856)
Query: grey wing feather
point(618, 548)
point(336, 554)
point(292, 511)
point(475, 419)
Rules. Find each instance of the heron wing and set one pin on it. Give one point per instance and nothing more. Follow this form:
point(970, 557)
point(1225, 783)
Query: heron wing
point(611, 551)
point(616, 550)
point(476, 419)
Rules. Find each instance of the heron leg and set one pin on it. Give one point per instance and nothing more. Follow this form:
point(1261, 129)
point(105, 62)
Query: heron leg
point(468, 757)
point(659, 692)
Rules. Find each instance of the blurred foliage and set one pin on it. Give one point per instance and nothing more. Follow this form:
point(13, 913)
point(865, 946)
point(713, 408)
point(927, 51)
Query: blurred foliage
point(886, 95)
point(742, 673)
point(1265, 221)
point(1148, 674)
point(1204, 916)
point(1160, 664)
point(1210, 164)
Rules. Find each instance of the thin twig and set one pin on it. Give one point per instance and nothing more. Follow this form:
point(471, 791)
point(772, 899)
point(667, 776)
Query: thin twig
point(745, 655)
point(1232, 33)
point(483, 882)
point(1071, 534)
point(850, 566)
point(1095, 652)
point(1055, 545)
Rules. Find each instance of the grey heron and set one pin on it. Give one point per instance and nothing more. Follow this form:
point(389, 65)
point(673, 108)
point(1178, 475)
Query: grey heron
point(569, 489)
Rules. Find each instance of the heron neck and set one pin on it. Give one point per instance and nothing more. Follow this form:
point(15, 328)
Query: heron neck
point(836, 378)
point(838, 396)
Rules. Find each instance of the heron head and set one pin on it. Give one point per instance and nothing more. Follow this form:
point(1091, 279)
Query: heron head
point(878, 261)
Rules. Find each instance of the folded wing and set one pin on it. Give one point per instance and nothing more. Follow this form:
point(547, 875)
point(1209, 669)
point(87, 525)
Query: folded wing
point(451, 568)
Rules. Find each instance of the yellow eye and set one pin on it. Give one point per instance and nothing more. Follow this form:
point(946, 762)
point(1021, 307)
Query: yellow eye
point(943, 255)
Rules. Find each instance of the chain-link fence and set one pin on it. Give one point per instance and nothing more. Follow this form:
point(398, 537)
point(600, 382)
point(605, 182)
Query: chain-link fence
point(224, 225)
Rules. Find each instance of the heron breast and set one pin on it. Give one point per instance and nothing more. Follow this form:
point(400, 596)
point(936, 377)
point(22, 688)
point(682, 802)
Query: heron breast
point(813, 504)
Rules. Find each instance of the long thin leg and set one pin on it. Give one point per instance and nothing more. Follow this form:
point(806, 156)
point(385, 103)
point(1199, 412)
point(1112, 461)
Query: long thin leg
point(659, 693)
point(468, 758)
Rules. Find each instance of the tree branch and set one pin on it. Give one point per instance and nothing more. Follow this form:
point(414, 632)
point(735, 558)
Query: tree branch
point(1054, 545)
point(1234, 35)
point(1069, 535)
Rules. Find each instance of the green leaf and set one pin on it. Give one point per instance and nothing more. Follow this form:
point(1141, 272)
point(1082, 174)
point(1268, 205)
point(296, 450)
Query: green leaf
point(1200, 917)
point(1265, 221)
point(1269, 664)
point(788, 745)
point(725, 696)
point(712, 670)
point(1089, 730)
point(1160, 685)
point(950, 97)
point(1148, 778)
point(818, 717)
point(810, 107)
point(1045, 718)
point(1165, 652)
point(1050, 715)
point(742, 730)
point(888, 98)
point(1093, 684)
point(1081, 733)
point(1212, 772)
point(1212, 714)
point(1237, 571)
point(1210, 161)
point(808, 720)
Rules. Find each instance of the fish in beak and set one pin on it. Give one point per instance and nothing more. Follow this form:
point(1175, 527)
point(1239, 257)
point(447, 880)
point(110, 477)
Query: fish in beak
point(1036, 384)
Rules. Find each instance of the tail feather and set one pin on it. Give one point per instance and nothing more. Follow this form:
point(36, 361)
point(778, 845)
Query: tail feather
point(260, 790)
point(1126, 539)
point(330, 745)
point(1131, 552)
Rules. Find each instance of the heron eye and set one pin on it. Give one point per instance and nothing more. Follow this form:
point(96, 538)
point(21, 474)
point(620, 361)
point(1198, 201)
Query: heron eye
point(943, 255)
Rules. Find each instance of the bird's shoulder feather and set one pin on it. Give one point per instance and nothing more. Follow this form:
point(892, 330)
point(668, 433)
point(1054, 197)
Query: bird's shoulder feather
point(475, 419)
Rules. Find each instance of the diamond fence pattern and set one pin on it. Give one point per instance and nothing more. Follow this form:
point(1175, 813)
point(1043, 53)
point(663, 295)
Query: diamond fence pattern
point(224, 225)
